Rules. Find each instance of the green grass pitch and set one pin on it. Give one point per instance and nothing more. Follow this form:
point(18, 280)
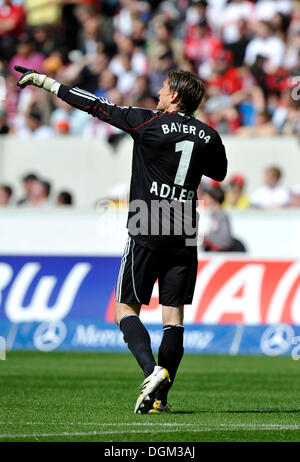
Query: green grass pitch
point(91, 396)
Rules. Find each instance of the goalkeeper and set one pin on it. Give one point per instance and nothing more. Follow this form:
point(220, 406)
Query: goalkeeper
point(171, 152)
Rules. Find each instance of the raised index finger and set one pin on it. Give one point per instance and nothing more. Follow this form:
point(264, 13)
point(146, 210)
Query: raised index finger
point(21, 69)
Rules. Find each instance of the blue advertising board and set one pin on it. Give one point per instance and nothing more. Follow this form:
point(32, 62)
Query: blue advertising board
point(65, 303)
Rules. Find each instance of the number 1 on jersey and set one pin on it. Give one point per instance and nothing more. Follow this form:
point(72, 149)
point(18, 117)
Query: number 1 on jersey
point(186, 148)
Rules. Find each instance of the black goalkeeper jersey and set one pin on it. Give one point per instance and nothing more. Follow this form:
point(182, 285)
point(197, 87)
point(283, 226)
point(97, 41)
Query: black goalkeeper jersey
point(171, 152)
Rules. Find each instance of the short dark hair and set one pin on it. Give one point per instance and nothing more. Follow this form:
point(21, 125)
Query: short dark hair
point(29, 177)
point(7, 189)
point(275, 171)
point(190, 90)
point(47, 187)
point(217, 193)
point(65, 197)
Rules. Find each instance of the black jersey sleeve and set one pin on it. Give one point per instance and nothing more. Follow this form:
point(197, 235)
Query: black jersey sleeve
point(131, 120)
point(215, 160)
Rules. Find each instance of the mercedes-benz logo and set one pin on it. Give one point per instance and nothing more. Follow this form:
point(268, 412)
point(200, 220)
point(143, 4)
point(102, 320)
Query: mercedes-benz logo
point(276, 340)
point(49, 335)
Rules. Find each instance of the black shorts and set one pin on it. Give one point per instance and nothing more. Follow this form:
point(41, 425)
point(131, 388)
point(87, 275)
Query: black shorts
point(141, 267)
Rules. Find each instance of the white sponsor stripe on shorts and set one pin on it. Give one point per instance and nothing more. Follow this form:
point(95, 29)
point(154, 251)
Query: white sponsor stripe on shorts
point(132, 273)
point(121, 271)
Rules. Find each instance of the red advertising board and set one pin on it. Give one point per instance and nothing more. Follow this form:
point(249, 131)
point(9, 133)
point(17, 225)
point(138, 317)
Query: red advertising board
point(237, 291)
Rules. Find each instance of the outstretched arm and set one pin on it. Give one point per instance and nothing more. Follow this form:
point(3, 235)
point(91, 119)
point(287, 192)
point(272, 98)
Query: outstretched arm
point(215, 160)
point(132, 120)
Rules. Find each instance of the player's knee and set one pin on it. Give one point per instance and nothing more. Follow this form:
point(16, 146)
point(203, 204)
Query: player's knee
point(122, 309)
point(172, 316)
point(120, 312)
point(117, 318)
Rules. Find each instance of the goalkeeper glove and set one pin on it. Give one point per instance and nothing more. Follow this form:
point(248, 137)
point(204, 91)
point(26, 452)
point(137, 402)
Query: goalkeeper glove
point(32, 77)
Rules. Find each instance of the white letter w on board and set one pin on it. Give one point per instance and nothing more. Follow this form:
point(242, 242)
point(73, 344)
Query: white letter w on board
point(38, 309)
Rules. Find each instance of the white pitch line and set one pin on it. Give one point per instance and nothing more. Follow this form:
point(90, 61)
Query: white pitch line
point(200, 428)
point(160, 424)
point(93, 433)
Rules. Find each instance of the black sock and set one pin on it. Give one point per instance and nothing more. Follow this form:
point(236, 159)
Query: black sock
point(138, 340)
point(169, 356)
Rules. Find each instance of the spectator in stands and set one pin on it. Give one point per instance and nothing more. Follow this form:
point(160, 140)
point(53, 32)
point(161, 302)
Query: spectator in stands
point(5, 194)
point(139, 29)
point(4, 128)
point(34, 127)
point(42, 12)
point(91, 35)
point(196, 11)
point(95, 28)
point(122, 74)
point(263, 126)
point(140, 91)
point(294, 196)
point(68, 116)
point(271, 194)
point(286, 116)
point(84, 11)
point(266, 44)
point(163, 42)
point(223, 74)
point(137, 56)
point(10, 104)
point(233, 13)
point(219, 237)
point(98, 128)
point(107, 81)
point(280, 23)
point(259, 74)
point(201, 46)
point(11, 26)
point(293, 39)
point(238, 47)
point(38, 194)
point(169, 12)
point(158, 75)
point(62, 127)
point(265, 10)
point(85, 71)
point(46, 185)
point(46, 40)
point(54, 63)
point(246, 51)
point(64, 198)
point(27, 56)
point(130, 9)
point(235, 197)
point(27, 182)
point(219, 111)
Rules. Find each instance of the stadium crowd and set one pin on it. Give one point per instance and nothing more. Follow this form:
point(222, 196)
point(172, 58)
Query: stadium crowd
point(246, 52)
point(37, 193)
point(217, 198)
point(231, 193)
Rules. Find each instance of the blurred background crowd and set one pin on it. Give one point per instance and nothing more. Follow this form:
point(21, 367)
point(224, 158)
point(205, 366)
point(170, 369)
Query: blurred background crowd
point(271, 195)
point(246, 52)
point(217, 198)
